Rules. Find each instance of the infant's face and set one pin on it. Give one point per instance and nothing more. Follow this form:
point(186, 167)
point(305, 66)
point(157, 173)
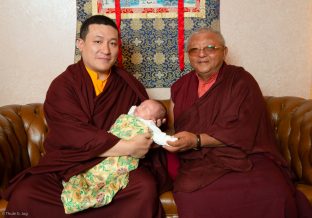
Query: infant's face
point(146, 110)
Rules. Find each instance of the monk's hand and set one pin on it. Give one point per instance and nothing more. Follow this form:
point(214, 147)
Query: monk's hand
point(186, 141)
point(139, 145)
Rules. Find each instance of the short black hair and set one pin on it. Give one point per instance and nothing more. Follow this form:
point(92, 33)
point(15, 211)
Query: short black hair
point(96, 19)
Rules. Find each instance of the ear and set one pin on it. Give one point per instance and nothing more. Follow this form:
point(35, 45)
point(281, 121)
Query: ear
point(225, 51)
point(80, 44)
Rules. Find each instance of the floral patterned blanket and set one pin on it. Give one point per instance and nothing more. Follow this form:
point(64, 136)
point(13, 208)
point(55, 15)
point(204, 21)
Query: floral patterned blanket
point(97, 186)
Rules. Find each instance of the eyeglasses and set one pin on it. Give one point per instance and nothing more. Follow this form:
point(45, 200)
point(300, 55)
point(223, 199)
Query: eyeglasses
point(209, 49)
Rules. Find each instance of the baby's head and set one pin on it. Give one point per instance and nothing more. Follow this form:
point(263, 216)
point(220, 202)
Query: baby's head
point(151, 110)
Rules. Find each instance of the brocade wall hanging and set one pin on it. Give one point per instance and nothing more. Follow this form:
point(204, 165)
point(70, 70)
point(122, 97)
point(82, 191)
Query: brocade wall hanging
point(154, 33)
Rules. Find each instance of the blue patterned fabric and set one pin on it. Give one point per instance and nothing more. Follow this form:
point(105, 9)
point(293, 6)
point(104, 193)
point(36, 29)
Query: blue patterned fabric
point(149, 49)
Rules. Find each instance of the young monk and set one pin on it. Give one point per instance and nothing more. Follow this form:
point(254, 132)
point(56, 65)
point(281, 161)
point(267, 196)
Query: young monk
point(81, 105)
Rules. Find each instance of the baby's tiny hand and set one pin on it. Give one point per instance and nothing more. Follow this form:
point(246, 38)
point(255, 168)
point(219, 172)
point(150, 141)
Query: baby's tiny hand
point(160, 122)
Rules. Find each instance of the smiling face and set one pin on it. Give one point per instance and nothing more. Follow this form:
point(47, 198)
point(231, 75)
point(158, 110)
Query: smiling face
point(99, 49)
point(206, 61)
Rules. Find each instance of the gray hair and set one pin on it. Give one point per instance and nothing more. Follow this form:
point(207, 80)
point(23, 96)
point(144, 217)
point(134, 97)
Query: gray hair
point(207, 30)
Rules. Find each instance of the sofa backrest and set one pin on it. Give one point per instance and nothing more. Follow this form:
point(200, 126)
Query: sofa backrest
point(23, 129)
point(291, 118)
point(22, 132)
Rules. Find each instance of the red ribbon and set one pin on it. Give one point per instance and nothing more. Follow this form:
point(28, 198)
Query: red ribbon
point(181, 33)
point(99, 6)
point(118, 20)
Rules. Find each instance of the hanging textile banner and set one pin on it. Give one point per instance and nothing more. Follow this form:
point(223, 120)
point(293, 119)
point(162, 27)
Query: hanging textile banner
point(154, 34)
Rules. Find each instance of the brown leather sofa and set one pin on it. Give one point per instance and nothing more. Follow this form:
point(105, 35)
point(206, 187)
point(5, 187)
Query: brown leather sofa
point(23, 129)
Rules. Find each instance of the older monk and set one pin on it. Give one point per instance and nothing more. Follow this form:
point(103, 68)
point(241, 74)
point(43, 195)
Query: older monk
point(225, 163)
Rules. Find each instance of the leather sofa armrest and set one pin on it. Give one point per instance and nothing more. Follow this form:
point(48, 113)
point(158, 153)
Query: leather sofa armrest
point(3, 205)
point(306, 190)
point(169, 205)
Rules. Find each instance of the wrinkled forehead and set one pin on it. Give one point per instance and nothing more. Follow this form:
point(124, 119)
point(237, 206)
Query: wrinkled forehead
point(205, 37)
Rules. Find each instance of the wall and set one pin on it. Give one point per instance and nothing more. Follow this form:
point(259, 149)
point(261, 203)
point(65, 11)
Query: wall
point(37, 43)
point(271, 39)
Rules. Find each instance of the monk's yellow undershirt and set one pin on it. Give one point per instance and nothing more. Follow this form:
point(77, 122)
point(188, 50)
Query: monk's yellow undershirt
point(97, 83)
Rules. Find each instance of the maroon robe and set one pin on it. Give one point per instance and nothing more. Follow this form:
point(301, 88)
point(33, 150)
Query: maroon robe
point(78, 122)
point(247, 177)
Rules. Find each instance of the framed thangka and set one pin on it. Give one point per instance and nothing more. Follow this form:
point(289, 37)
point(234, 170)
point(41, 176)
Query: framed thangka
point(154, 33)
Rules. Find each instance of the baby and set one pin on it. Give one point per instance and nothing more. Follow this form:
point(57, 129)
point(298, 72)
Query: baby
point(97, 186)
point(148, 112)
